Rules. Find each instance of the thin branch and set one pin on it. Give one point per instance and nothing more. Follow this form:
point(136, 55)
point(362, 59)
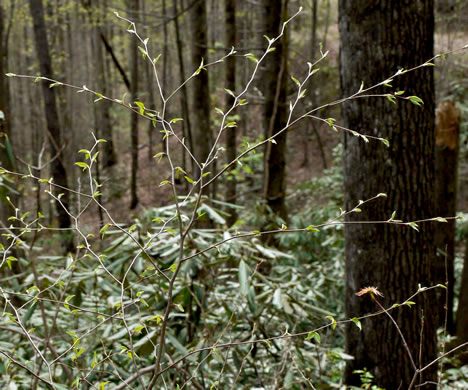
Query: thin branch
point(26, 368)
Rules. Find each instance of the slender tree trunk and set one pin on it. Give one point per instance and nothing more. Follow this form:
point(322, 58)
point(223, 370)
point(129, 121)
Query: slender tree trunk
point(69, 74)
point(58, 170)
point(186, 127)
point(202, 137)
point(108, 157)
point(133, 6)
point(327, 25)
point(149, 79)
point(313, 40)
point(396, 259)
point(446, 158)
point(165, 52)
point(275, 112)
point(231, 151)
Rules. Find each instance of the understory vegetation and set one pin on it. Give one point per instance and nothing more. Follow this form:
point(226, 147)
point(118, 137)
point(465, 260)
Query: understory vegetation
point(192, 290)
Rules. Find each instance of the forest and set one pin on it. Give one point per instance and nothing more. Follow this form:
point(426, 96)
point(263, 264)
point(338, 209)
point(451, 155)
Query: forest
point(233, 194)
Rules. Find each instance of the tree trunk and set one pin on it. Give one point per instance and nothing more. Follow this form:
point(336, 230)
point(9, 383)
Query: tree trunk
point(275, 111)
point(6, 158)
point(186, 127)
point(375, 44)
point(446, 162)
point(6, 154)
point(313, 40)
point(202, 137)
point(108, 156)
point(462, 310)
point(53, 126)
point(231, 152)
point(134, 53)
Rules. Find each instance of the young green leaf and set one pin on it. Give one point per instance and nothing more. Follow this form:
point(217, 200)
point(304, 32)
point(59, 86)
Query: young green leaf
point(230, 92)
point(313, 335)
point(413, 225)
point(415, 100)
point(141, 106)
point(385, 142)
point(311, 228)
point(333, 321)
point(82, 165)
point(357, 323)
point(296, 81)
point(391, 98)
point(103, 230)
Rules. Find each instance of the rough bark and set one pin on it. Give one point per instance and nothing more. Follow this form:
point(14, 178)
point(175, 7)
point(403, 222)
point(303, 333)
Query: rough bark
point(462, 310)
point(6, 155)
point(134, 6)
point(446, 158)
point(54, 134)
point(231, 152)
point(275, 113)
point(202, 137)
point(6, 160)
point(377, 38)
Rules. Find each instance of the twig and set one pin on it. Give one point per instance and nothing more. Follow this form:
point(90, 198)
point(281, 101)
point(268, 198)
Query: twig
point(13, 360)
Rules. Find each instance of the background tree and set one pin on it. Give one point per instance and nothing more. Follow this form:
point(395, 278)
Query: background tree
point(54, 134)
point(184, 99)
point(201, 125)
point(446, 165)
point(275, 108)
point(231, 150)
point(133, 6)
point(378, 39)
point(96, 11)
point(6, 157)
point(6, 151)
point(462, 310)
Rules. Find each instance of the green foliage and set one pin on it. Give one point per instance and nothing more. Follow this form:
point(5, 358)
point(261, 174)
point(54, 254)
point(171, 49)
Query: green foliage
point(456, 376)
point(251, 290)
point(232, 310)
point(367, 378)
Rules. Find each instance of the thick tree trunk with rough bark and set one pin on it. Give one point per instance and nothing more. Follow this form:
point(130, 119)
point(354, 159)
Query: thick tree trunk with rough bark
point(275, 113)
point(53, 126)
point(377, 39)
